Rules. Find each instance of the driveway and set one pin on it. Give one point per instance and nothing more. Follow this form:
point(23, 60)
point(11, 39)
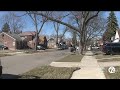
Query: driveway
point(19, 64)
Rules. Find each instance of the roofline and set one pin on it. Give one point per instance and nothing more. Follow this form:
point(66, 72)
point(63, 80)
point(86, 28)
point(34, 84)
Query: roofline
point(8, 35)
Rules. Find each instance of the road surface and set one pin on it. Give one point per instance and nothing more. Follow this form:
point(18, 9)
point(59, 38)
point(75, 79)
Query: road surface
point(18, 64)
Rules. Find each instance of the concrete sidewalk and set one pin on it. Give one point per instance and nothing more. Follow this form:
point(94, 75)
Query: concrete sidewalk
point(89, 68)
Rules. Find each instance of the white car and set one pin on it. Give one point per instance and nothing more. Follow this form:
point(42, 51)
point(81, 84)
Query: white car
point(95, 47)
point(77, 48)
point(89, 48)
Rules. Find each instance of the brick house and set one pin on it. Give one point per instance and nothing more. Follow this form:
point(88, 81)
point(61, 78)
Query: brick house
point(28, 36)
point(12, 41)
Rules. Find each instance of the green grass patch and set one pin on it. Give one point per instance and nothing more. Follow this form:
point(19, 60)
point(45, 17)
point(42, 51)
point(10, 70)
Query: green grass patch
point(115, 75)
point(49, 72)
point(71, 58)
point(109, 60)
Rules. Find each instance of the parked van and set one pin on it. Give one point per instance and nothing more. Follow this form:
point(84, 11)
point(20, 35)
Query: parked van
point(111, 48)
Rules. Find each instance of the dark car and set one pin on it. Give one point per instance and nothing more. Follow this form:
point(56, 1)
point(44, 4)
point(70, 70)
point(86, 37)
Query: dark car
point(111, 48)
point(62, 46)
point(0, 68)
point(40, 47)
point(3, 47)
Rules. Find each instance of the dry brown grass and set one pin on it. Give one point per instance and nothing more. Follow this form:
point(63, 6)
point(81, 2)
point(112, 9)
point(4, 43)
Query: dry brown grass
point(49, 72)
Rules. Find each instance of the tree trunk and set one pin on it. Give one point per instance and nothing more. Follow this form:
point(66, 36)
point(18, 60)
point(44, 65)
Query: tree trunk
point(36, 27)
point(81, 46)
point(85, 47)
point(57, 39)
point(36, 41)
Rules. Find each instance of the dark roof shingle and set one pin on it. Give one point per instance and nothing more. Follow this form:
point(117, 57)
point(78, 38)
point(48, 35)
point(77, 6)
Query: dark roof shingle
point(15, 36)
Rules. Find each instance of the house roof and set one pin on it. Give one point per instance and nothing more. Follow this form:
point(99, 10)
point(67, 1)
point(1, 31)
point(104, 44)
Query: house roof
point(119, 32)
point(51, 39)
point(28, 33)
point(14, 36)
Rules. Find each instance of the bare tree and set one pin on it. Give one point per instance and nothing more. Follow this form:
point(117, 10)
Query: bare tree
point(39, 22)
point(59, 16)
point(56, 27)
point(16, 23)
point(95, 28)
point(82, 19)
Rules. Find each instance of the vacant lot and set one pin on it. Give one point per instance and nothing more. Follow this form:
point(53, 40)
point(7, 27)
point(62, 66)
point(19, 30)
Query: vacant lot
point(115, 75)
point(49, 72)
point(71, 58)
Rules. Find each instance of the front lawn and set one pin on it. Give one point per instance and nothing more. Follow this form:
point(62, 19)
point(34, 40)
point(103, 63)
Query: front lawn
point(3, 55)
point(101, 56)
point(109, 60)
point(115, 75)
point(49, 72)
point(71, 58)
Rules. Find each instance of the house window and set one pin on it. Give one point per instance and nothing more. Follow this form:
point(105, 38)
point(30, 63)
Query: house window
point(13, 43)
point(2, 35)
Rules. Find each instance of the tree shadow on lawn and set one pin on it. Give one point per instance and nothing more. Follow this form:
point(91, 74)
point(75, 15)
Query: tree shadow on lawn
point(9, 76)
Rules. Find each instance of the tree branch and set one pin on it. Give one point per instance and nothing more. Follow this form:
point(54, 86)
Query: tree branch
point(92, 17)
point(64, 31)
point(58, 21)
point(41, 27)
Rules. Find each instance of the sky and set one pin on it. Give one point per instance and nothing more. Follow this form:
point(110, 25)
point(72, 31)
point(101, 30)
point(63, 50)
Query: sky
point(117, 13)
point(48, 27)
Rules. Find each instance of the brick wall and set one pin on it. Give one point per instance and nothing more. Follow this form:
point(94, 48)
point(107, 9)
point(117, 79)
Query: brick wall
point(8, 41)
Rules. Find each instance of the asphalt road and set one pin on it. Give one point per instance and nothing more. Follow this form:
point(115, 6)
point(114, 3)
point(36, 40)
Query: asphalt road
point(18, 64)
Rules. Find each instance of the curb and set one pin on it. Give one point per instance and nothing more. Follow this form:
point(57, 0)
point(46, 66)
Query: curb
point(65, 64)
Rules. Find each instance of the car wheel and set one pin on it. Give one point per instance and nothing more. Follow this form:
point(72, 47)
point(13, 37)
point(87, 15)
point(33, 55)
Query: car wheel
point(108, 53)
point(0, 70)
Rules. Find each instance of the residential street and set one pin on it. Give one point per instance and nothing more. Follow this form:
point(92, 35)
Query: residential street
point(19, 64)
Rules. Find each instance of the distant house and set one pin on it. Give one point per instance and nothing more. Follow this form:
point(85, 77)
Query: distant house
point(29, 36)
point(52, 43)
point(12, 41)
point(43, 40)
point(116, 38)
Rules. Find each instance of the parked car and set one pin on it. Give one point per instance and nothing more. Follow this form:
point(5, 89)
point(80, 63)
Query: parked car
point(40, 47)
point(95, 47)
point(111, 48)
point(62, 46)
point(0, 68)
point(3, 47)
point(72, 49)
